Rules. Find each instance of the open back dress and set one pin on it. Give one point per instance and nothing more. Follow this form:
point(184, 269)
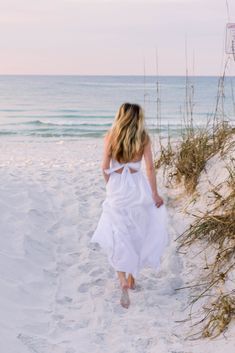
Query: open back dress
point(132, 229)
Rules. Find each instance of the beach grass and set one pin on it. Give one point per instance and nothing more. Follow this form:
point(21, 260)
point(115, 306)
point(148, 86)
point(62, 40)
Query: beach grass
point(213, 230)
point(185, 162)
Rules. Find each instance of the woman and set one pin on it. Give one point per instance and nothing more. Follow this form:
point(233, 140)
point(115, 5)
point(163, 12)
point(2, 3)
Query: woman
point(132, 226)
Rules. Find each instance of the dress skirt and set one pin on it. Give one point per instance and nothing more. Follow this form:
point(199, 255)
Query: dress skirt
point(132, 229)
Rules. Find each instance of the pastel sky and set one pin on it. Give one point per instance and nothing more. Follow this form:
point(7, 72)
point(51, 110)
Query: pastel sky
point(112, 37)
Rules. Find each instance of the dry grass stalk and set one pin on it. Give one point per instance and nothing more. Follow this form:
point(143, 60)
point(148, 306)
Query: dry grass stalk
point(166, 155)
point(220, 313)
point(191, 158)
point(213, 228)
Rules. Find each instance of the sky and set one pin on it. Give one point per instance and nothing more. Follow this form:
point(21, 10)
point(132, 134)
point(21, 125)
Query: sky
point(113, 37)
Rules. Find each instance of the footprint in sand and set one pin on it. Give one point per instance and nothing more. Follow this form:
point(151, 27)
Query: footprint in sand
point(36, 344)
point(64, 300)
point(99, 282)
point(94, 273)
point(84, 287)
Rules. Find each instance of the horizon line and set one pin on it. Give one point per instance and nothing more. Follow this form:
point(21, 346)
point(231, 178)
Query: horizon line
point(117, 75)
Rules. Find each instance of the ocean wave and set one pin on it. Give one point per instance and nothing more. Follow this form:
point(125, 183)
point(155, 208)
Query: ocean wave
point(8, 133)
point(12, 110)
point(66, 116)
point(59, 123)
point(76, 132)
point(152, 124)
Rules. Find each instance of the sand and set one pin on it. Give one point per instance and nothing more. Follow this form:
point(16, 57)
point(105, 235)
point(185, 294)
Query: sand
point(58, 293)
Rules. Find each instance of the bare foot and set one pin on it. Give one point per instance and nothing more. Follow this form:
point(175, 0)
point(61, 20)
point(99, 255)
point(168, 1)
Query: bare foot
point(131, 282)
point(123, 283)
point(125, 300)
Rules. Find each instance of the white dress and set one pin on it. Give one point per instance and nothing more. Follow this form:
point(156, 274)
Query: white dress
point(131, 229)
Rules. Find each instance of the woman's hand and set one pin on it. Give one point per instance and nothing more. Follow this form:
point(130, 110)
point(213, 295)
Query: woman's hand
point(157, 200)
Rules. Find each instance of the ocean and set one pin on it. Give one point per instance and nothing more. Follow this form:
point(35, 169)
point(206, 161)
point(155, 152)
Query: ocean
point(70, 107)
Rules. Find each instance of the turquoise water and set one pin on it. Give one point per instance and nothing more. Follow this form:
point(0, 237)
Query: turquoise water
point(75, 106)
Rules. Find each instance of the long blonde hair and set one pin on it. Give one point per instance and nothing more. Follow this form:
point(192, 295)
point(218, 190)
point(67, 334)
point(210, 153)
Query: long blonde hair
point(128, 134)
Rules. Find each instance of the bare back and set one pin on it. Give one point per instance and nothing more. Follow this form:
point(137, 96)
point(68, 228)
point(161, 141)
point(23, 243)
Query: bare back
point(147, 153)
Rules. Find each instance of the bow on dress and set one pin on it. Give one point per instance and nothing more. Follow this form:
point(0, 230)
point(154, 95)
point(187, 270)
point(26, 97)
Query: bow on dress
point(126, 175)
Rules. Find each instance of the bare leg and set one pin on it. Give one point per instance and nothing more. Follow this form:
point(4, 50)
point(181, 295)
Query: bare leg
point(125, 300)
point(122, 279)
point(131, 281)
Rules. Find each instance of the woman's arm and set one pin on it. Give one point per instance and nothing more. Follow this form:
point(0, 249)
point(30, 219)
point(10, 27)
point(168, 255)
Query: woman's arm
point(150, 171)
point(106, 157)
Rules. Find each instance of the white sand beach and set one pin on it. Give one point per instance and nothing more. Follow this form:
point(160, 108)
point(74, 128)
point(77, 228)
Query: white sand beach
point(57, 291)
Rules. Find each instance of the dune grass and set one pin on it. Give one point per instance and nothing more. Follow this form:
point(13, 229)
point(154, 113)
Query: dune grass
point(196, 146)
point(219, 315)
point(216, 231)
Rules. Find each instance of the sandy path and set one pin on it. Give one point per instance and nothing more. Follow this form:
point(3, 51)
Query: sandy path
point(58, 293)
